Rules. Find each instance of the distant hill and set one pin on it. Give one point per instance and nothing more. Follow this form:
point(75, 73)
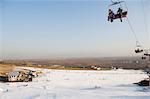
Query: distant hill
point(105, 62)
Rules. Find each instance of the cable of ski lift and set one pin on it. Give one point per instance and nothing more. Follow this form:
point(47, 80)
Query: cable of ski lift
point(132, 30)
point(146, 52)
point(145, 18)
point(115, 2)
point(138, 45)
point(139, 48)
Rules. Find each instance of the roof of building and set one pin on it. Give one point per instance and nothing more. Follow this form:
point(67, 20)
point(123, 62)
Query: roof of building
point(14, 73)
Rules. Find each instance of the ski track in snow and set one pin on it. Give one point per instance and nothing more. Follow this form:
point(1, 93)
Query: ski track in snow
point(78, 84)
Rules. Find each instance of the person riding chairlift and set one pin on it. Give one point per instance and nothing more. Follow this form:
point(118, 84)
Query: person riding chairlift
point(110, 15)
point(138, 50)
point(119, 12)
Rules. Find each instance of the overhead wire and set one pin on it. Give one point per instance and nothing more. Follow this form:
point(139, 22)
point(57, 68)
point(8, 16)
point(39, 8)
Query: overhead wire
point(129, 23)
point(131, 28)
point(145, 23)
point(145, 17)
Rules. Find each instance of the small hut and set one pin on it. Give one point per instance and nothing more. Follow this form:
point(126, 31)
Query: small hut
point(17, 76)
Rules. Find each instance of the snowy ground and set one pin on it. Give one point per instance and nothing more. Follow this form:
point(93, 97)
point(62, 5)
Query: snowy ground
point(75, 84)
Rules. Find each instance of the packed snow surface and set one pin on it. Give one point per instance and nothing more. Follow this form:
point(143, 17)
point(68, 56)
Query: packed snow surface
point(79, 84)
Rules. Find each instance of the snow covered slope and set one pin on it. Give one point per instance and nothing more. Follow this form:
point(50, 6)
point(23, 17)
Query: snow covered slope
point(78, 84)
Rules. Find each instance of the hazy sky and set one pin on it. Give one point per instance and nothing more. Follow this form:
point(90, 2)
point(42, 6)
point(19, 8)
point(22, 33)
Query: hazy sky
point(69, 28)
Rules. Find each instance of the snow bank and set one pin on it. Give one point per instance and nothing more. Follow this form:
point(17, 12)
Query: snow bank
point(78, 84)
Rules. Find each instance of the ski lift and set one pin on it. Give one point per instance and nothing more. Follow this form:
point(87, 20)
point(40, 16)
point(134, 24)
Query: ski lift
point(138, 48)
point(121, 13)
point(146, 53)
point(143, 57)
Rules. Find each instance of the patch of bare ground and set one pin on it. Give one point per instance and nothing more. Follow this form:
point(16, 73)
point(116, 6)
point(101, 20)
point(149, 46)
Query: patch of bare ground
point(5, 69)
point(59, 68)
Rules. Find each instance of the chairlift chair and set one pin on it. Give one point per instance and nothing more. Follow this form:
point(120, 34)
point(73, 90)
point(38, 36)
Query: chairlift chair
point(143, 57)
point(117, 15)
point(146, 53)
point(138, 48)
